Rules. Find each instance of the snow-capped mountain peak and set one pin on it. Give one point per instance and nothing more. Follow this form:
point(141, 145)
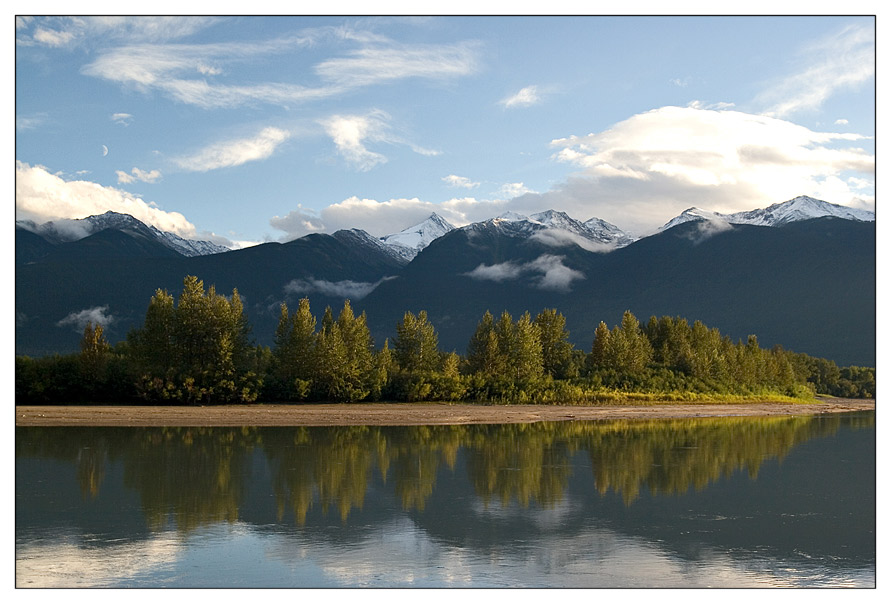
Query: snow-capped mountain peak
point(512, 216)
point(692, 214)
point(799, 208)
point(409, 242)
point(64, 231)
point(793, 210)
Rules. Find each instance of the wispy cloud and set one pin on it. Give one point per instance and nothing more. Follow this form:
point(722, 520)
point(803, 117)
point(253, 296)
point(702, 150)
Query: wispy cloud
point(351, 134)
point(505, 271)
point(459, 181)
point(841, 61)
point(29, 122)
point(187, 72)
point(548, 272)
point(524, 98)
point(78, 320)
point(123, 119)
point(513, 189)
point(378, 64)
point(60, 32)
point(137, 175)
point(344, 289)
point(236, 152)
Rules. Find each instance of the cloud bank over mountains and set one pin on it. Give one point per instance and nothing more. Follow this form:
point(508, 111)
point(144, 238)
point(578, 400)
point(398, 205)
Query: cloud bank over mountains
point(641, 167)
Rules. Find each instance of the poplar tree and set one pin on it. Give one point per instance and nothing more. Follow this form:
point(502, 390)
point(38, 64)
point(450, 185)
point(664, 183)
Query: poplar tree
point(197, 351)
point(556, 350)
point(483, 351)
point(526, 360)
point(416, 347)
point(94, 350)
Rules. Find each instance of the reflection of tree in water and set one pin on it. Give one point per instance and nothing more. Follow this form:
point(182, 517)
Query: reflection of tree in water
point(90, 470)
point(199, 475)
point(196, 475)
point(522, 461)
point(670, 456)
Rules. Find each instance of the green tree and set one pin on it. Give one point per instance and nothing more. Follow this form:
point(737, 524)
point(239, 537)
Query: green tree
point(416, 347)
point(484, 349)
point(526, 357)
point(196, 352)
point(94, 350)
point(556, 350)
point(345, 367)
point(294, 355)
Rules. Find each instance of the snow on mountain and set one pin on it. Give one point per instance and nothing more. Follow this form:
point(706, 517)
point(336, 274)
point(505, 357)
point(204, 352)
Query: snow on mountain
point(409, 242)
point(361, 238)
point(557, 229)
point(692, 214)
point(64, 231)
point(609, 233)
point(794, 210)
point(799, 208)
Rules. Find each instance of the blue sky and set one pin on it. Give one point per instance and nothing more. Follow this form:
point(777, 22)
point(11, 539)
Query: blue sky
point(248, 129)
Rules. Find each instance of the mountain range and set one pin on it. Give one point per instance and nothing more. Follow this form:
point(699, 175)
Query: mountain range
point(799, 273)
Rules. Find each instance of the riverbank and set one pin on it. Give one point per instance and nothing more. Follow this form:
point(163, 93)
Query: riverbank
point(275, 415)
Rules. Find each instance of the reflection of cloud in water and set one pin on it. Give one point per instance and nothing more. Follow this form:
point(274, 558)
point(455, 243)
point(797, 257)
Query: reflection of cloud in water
point(398, 553)
point(542, 516)
point(72, 562)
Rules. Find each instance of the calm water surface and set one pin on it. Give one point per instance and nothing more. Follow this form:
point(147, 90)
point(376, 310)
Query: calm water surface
point(739, 502)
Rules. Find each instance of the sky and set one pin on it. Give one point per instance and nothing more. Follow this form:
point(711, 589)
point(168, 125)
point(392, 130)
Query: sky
point(242, 130)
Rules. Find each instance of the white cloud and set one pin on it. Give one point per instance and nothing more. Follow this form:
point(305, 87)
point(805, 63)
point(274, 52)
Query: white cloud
point(41, 196)
point(459, 181)
point(351, 132)
point(381, 218)
point(549, 273)
point(526, 97)
point(496, 272)
point(562, 238)
point(705, 229)
point(375, 65)
point(345, 289)
point(124, 119)
point(233, 153)
point(555, 275)
point(646, 169)
point(136, 175)
point(57, 32)
point(185, 72)
point(841, 61)
point(513, 189)
point(841, 122)
point(53, 38)
point(97, 315)
point(30, 122)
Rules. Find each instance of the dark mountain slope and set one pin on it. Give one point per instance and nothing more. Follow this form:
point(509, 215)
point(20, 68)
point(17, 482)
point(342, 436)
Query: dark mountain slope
point(809, 286)
point(49, 291)
point(30, 246)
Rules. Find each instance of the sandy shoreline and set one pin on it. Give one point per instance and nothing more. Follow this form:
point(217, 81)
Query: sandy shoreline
point(272, 415)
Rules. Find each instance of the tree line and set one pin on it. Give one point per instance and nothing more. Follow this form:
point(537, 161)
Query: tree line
point(198, 350)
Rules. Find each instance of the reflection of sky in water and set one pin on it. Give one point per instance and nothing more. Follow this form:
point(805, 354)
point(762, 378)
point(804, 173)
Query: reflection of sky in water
point(397, 554)
point(807, 520)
